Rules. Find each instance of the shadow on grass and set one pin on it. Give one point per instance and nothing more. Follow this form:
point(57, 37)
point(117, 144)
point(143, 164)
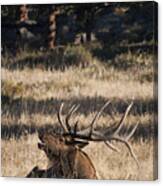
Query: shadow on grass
point(18, 130)
point(15, 108)
point(87, 105)
point(47, 60)
point(44, 61)
point(145, 131)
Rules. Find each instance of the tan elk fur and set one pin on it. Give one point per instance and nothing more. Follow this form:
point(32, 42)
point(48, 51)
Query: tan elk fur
point(65, 161)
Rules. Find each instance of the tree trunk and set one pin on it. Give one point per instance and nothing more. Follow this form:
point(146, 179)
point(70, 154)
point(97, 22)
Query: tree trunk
point(89, 25)
point(23, 15)
point(52, 29)
point(88, 35)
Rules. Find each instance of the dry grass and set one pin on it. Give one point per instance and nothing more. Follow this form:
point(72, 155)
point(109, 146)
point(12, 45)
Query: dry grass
point(42, 85)
point(104, 121)
point(19, 157)
point(31, 98)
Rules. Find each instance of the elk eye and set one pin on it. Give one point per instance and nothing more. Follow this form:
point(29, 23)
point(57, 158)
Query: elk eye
point(61, 140)
point(68, 142)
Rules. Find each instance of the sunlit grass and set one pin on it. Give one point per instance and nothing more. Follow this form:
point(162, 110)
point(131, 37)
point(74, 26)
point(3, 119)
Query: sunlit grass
point(97, 82)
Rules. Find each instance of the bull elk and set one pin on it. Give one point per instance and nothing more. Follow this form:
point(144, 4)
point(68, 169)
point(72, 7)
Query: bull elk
point(64, 151)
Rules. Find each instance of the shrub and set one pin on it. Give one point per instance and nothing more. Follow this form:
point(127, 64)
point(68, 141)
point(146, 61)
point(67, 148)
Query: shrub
point(77, 56)
point(130, 59)
point(59, 58)
point(11, 89)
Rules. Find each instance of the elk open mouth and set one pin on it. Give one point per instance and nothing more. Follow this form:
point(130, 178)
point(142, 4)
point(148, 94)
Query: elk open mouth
point(41, 145)
point(49, 152)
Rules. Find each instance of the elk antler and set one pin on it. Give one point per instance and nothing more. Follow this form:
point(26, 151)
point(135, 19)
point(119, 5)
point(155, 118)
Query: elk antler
point(112, 133)
point(59, 115)
point(66, 127)
point(72, 110)
point(97, 116)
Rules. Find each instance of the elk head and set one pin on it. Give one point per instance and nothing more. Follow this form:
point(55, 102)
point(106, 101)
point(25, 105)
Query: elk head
point(71, 138)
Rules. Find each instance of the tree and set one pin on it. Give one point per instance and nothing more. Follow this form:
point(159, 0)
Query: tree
point(87, 14)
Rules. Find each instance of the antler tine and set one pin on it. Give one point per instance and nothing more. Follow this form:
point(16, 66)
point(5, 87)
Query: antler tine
point(59, 115)
point(105, 135)
point(132, 131)
point(115, 135)
point(129, 148)
point(108, 135)
point(97, 116)
point(72, 110)
point(107, 142)
point(121, 122)
point(111, 146)
point(75, 128)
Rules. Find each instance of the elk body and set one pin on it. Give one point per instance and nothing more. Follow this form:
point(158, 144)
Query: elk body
point(64, 151)
point(65, 159)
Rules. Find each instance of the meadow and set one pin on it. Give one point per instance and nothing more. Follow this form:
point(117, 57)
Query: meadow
point(34, 86)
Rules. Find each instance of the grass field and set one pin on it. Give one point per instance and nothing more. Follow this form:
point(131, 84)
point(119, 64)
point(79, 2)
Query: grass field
point(31, 98)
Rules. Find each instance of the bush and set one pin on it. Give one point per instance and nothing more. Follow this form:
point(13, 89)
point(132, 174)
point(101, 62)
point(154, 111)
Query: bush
point(11, 89)
point(77, 56)
point(59, 58)
point(127, 60)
